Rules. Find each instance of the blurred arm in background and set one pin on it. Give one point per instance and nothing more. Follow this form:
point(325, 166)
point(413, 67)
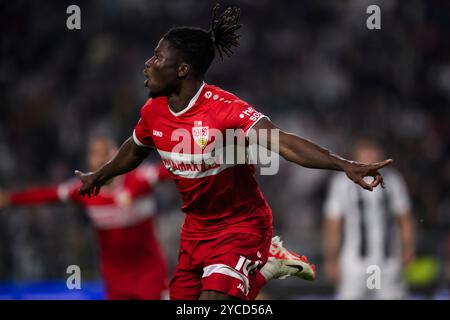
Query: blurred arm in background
point(333, 230)
point(401, 206)
point(331, 243)
point(33, 196)
point(407, 237)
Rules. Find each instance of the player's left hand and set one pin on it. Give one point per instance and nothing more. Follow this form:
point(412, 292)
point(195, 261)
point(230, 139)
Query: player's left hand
point(356, 171)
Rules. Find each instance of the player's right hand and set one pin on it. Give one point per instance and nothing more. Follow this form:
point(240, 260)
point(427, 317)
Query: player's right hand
point(90, 183)
point(4, 199)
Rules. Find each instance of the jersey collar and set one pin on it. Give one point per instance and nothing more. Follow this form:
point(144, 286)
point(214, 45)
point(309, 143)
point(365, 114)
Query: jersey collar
point(191, 103)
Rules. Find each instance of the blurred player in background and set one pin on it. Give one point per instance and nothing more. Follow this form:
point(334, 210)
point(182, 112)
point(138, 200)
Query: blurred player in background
point(375, 228)
point(227, 250)
point(131, 260)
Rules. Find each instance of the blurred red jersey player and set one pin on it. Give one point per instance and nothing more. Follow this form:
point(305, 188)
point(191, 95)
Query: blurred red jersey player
point(131, 260)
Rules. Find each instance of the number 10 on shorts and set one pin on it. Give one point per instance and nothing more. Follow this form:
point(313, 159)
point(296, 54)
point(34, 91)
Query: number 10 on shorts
point(246, 265)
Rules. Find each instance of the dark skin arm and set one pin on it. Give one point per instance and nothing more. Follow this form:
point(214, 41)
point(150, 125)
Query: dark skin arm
point(129, 156)
point(310, 155)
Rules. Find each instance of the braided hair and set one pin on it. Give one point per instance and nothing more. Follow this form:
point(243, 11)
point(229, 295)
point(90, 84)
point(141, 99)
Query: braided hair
point(223, 30)
point(198, 46)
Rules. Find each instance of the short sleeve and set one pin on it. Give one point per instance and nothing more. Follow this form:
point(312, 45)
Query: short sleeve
point(399, 198)
point(142, 134)
point(240, 115)
point(334, 207)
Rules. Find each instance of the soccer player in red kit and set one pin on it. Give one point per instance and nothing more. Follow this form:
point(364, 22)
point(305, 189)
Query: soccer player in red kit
point(131, 260)
point(226, 248)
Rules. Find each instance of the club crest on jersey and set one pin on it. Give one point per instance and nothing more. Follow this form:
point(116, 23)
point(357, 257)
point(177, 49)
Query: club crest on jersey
point(200, 134)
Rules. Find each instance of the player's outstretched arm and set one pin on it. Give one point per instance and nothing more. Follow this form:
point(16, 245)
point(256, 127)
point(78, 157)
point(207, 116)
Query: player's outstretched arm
point(129, 156)
point(308, 154)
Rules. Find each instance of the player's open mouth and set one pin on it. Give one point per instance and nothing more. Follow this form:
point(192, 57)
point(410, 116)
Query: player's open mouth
point(148, 78)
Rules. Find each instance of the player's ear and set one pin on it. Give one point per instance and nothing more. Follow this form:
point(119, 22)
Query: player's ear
point(183, 70)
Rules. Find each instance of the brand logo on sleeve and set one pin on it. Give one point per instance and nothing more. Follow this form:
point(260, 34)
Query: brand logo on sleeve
point(157, 133)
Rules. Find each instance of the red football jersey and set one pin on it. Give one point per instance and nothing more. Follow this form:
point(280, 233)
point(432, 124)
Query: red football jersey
point(132, 263)
point(218, 198)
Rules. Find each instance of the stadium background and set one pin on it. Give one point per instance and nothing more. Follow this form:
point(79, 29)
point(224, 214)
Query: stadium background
point(312, 66)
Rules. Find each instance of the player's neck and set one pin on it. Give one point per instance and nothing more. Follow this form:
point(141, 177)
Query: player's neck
point(180, 100)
